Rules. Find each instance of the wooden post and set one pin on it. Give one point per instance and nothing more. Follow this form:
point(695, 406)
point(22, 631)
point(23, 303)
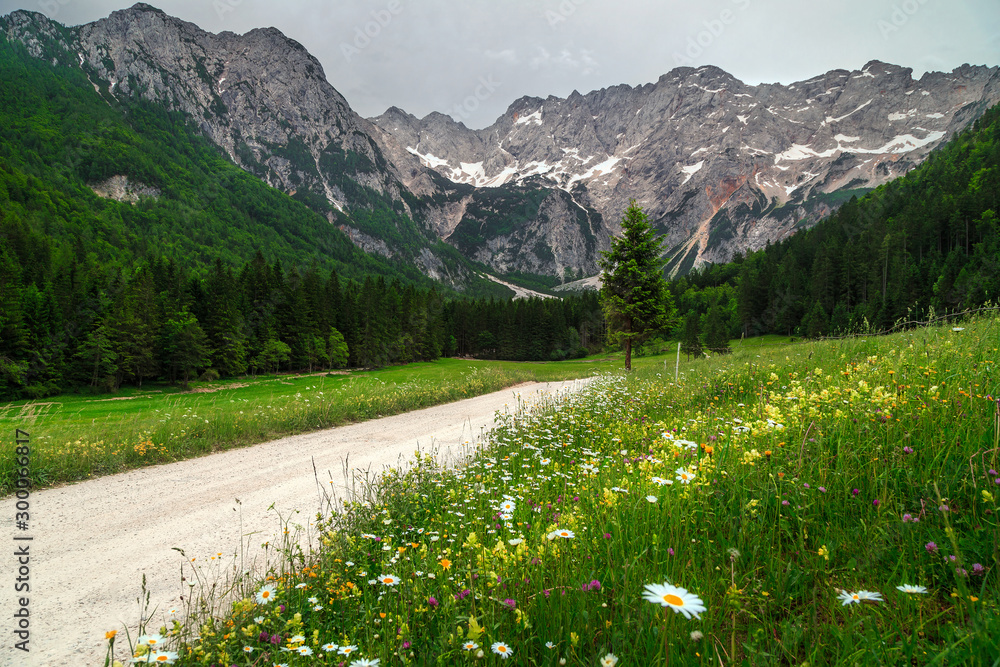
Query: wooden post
point(677, 368)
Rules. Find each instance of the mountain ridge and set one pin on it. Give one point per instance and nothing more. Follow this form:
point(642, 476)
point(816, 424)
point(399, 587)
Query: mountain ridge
point(616, 155)
point(720, 166)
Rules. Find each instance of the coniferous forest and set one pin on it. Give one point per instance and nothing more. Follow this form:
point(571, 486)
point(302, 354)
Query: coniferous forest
point(220, 275)
point(926, 242)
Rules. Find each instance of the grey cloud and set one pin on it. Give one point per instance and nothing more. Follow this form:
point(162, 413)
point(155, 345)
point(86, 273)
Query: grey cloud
point(430, 55)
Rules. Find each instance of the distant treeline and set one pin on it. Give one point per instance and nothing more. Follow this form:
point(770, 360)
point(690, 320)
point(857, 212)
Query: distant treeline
point(928, 240)
point(92, 328)
point(222, 275)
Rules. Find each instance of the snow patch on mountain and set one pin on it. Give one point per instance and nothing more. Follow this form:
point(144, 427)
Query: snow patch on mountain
point(534, 118)
point(691, 170)
point(428, 159)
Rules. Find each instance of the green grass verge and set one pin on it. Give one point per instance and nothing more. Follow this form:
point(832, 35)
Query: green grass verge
point(817, 471)
point(76, 436)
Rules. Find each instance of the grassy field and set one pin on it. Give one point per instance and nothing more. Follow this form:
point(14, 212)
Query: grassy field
point(77, 436)
point(827, 503)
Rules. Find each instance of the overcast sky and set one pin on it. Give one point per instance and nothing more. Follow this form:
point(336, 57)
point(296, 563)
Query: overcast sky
point(472, 58)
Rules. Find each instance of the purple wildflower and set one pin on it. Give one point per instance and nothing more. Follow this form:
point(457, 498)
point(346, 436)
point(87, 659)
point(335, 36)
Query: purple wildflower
point(855, 492)
point(875, 503)
point(907, 518)
point(432, 601)
point(931, 547)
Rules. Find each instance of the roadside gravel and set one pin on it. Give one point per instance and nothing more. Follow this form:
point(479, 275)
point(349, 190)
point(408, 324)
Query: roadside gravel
point(93, 541)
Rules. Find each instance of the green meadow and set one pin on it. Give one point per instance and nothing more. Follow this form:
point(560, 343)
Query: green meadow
point(821, 503)
point(77, 436)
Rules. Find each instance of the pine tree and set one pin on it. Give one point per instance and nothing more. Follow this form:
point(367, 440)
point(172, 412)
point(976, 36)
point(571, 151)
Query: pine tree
point(634, 294)
point(716, 335)
point(691, 344)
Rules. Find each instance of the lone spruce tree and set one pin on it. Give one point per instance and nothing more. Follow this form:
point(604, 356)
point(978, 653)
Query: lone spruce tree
point(634, 294)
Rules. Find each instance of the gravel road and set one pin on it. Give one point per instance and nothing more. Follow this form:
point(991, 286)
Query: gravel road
point(93, 541)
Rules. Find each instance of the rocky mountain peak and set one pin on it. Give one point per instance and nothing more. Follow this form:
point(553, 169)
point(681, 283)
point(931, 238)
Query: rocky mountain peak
point(720, 165)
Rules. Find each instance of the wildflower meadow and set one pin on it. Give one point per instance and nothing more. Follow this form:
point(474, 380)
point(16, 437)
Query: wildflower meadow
point(826, 503)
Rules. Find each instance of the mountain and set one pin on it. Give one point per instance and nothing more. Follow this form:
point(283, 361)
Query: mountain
point(722, 167)
point(265, 101)
point(922, 246)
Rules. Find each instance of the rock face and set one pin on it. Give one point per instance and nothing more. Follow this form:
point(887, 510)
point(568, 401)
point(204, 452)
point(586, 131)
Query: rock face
point(122, 189)
point(718, 165)
point(266, 102)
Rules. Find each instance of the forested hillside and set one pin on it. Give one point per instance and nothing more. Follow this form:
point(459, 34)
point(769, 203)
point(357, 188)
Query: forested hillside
point(928, 240)
point(195, 268)
point(183, 271)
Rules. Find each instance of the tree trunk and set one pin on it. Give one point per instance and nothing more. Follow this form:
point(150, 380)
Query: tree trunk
point(628, 354)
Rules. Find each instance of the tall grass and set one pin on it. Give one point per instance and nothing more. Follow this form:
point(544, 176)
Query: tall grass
point(790, 492)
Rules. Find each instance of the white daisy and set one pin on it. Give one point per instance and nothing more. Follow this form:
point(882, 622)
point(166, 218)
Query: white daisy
point(910, 588)
point(265, 594)
point(150, 640)
point(502, 650)
point(675, 597)
point(684, 475)
point(848, 597)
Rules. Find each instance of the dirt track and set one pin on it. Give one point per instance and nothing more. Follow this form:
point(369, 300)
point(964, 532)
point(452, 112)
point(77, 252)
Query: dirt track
point(93, 541)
